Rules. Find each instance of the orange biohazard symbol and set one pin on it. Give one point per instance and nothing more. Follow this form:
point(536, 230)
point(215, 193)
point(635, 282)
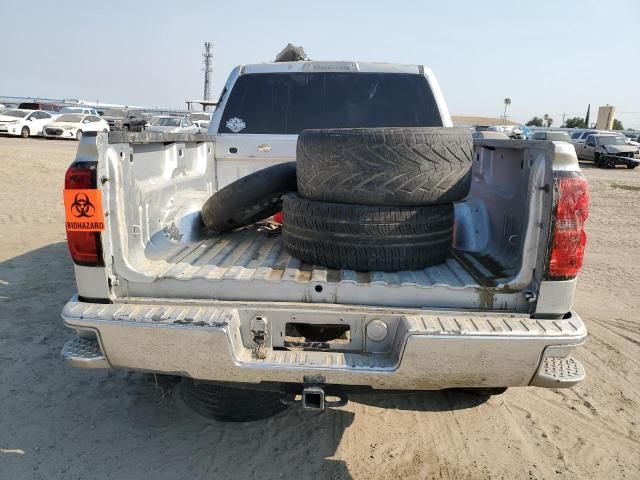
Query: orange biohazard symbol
point(82, 206)
point(83, 210)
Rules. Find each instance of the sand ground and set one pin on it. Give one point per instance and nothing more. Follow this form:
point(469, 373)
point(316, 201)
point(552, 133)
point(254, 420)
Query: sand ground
point(57, 422)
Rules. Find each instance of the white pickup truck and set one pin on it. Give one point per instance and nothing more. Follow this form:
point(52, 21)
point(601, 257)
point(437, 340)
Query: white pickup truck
point(157, 293)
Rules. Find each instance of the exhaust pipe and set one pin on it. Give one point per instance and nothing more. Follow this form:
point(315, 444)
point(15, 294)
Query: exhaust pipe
point(313, 398)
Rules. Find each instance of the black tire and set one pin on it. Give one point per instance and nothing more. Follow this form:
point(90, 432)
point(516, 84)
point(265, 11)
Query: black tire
point(631, 167)
point(228, 404)
point(597, 161)
point(79, 135)
point(25, 133)
point(249, 199)
point(385, 166)
point(364, 237)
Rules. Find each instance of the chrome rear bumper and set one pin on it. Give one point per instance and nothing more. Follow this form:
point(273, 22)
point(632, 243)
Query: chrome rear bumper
point(424, 350)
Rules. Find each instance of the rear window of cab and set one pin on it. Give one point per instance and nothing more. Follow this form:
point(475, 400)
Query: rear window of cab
point(288, 103)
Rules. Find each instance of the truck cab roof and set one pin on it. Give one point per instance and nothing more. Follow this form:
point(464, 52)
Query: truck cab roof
point(330, 66)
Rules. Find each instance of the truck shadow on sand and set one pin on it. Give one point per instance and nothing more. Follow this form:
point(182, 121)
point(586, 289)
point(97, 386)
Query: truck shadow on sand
point(427, 401)
point(117, 424)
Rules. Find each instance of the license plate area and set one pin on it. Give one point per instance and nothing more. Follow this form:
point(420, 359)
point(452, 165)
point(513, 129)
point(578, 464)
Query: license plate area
point(317, 330)
point(312, 336)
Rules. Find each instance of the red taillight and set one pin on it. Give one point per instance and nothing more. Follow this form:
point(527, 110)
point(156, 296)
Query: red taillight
point(78, 177)
point(568, 236)
point(85, 247)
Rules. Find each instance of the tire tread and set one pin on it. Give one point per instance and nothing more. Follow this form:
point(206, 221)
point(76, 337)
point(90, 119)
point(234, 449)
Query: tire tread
point(364, 237)
point(385, 166)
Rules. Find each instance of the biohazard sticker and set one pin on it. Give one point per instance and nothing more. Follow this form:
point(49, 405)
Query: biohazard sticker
point(83, 210)
point(236, 124)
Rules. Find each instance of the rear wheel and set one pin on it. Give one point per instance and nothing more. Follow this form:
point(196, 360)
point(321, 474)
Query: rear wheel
point(631, 167)
point(25, 133)
point(79, 135)
point(227, 404)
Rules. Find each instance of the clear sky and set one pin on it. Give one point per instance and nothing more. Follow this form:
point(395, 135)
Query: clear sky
point(547, 56)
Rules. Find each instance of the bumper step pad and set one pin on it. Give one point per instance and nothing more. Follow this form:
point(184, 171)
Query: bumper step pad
point(558, 373)
point(84, 353)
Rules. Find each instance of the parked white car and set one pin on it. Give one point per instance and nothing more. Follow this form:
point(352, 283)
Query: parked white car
point(80, 110)
point(166, 124)
point(24, 123)
point(201, 119)
point(72, 125)
point(511, 131)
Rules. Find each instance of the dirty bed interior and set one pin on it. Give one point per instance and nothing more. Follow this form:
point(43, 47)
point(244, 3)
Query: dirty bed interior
point(167, 254)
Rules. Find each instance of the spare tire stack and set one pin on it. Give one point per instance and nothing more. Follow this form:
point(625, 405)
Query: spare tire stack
point(376, 199)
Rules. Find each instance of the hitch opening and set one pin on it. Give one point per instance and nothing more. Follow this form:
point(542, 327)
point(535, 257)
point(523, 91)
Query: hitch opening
point(313, 398)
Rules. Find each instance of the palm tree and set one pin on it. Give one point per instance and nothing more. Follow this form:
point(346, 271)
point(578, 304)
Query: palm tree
point(507, 102)
point(547, 120)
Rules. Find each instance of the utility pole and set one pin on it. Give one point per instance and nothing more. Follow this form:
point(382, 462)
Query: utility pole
point(586, 118)
point(563, 115)
point(207, 67)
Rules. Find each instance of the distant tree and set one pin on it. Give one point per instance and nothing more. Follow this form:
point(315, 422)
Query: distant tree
point(547, 120)
point(617, 124)
point(575, 122)
point(535, 122)
point(507, 102)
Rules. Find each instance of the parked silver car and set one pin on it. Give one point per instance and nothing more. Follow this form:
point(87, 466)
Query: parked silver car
point(167, 124)
point(608, 151)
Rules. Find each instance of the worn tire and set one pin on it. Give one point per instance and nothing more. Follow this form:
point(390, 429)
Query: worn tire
point(365, 237)
point(385, 166)
point(249, 199)
point(228, 404)
point(25, 132)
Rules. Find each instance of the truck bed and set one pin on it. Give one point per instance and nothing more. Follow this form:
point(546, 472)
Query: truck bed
point(158, 249)
point(253, 264)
